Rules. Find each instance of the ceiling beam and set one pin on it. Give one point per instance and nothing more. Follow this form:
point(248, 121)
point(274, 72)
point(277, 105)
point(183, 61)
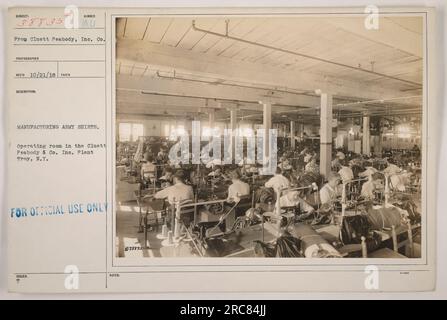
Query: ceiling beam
point(134, 51)
point(143, 89)
point(390, 33)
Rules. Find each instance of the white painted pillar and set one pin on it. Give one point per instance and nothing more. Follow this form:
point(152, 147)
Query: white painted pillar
point(325, 133)
point(267, 125)
point(378, 146)
point(211, 118)
point(292, 135)
point(233, 119)
point(366, 144)
point(233, 127)
point(301, 131)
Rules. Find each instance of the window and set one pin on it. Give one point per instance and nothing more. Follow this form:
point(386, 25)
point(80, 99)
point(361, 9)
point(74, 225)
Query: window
point(130, 131)
point(176, 131)
point(166, 130)
point(125, 131)
point(137, 131)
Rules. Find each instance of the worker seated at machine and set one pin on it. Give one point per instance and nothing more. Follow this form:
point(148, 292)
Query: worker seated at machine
point(292, 199)
point(148, 169)
point(335, 164)
point(285, 165)
point(398, 177)
point(312, 166)
point(346, 174)
point(278, 181)
point(368, 172)
point(238, 188)
point(249, 170)
point(178, 192)
point(162, 156)
point(148, 153)
point(345, 171)
point(371, 187)
point(284, 162)
point(216, 173)
point(399, 182)
point(166, 177)
point(391, 168)
point(330, 192)
point(308, 155)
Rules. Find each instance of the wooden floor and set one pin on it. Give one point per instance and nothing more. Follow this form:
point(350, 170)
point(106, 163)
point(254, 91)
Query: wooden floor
point(130, 243)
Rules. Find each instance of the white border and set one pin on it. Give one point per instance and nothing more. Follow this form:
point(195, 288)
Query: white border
point(441, 290)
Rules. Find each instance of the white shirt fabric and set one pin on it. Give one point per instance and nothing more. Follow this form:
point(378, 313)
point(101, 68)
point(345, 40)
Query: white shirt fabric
point(368, 190)
point(285, 165)
point(291, 199)
point(177, 192)
point(335, 162)
point(148, 169)
point(238, 189)
point(392, 169)
point(165, 178)
point(346, 174)
point(307, 158)
point(340, 155)
point(327, 194)
point(278, 182)
point(398, 181)
point(368, 172)
point(312, 167)
point(214, 174)
point(214, 162)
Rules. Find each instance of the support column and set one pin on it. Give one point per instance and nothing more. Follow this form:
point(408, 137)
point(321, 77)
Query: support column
point(267, 125)
point(211, 118)
point(233, 127)
point(325, 133)
point(301, 131)
point(378, 147)
point(233, 119)
point(366, 144)
point(292, 135)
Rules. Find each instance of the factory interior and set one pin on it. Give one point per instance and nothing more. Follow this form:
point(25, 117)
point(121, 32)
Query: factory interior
point(268, 137)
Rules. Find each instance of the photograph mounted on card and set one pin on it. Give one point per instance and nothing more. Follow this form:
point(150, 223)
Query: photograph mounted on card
point(163, 149)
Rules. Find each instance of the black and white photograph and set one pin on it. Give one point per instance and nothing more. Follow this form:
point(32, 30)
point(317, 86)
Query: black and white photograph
point(260, 136)
point(230, 152)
